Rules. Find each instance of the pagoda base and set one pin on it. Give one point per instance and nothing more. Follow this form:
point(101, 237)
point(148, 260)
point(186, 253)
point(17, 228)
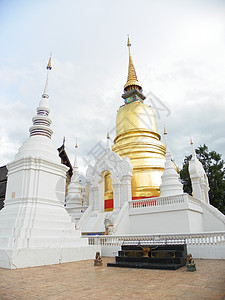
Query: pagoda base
point(164, 257)
point(28, 257)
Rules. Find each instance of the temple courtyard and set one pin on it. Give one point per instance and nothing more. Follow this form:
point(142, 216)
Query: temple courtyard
point(81, 280)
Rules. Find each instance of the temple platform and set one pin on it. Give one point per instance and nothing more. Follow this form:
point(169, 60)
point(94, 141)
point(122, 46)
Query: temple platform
point(164, 257)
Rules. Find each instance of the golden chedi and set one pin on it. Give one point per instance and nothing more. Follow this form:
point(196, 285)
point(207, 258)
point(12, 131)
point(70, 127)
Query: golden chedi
point(138, 139)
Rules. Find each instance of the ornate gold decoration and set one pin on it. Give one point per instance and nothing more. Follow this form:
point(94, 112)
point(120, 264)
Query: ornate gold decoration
point(138, 139)
point(132, 76)
point(108, 186)
point(146, 251)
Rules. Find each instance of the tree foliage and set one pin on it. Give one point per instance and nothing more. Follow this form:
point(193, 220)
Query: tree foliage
point(215, 171)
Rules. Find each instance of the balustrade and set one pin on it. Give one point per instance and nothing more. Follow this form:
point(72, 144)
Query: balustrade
point(198, 239)
point(159, 201)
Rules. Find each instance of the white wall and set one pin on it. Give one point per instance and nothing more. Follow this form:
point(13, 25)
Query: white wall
point(160, 222)
point(171, 219)
point(213, 219)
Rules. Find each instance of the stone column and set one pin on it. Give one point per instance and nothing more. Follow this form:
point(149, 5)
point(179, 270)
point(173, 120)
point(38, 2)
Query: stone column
point(126, 192)
point(116, 196)
point(101, 199)
point(96, 198)
point(90, 198)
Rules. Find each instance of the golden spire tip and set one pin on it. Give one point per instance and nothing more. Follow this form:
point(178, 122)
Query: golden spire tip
point(108, 137)
point(76, 143)
point(128, 41)
point(165, 132)
point(132, 76)
point(49, 66)
point(191, 141)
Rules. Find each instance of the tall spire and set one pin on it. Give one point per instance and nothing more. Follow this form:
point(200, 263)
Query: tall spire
point(165, 134)
point(132, 88)
point(199, 180)
point(49, 67)
point(132, 76)
point(193, 149)
point(41, 122)
point(108, 141)
point(75, 166)
point(74, 197)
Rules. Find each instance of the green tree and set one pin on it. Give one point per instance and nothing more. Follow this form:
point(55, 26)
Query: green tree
point(215, 171)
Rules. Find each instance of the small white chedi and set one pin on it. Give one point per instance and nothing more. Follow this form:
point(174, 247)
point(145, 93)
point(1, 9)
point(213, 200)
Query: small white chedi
point(35, 227)
point(75, 205)
point(199, 180)
point(171, 184)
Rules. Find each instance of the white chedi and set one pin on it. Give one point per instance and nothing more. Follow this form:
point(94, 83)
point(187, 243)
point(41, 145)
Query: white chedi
point(74, 199)
point(199, 180)
point(171, 184)
point(35, 228)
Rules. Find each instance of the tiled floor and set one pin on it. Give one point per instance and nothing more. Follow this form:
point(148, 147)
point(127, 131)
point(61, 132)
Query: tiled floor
point(81, 280)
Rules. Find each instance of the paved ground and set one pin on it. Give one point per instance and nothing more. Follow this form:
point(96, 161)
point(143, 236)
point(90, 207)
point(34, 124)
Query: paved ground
point(81, 280)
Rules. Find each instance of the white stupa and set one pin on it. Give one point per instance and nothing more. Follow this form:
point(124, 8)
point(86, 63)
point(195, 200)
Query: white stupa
point(74, 199)
point(35, 227)
point(199, 180)
point(171, 184)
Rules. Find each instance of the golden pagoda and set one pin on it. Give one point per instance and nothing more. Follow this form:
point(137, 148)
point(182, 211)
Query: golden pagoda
point(137, 138)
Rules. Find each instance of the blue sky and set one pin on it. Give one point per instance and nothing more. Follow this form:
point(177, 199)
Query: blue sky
point(177, 47)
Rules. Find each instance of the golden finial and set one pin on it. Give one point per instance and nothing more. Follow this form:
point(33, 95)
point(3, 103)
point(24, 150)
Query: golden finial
point(76, 143)
point(132, 77)
point(165, 132)
point(108, 140)
point(49, 66)
point(193, 149)
point(128, 43)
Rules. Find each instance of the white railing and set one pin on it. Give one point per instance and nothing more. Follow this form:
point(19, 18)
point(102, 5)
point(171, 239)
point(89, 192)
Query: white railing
point(158, 201)
point(196, 239)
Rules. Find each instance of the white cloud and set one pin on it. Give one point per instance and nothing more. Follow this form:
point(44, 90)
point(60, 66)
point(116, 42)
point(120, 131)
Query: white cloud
point(178, 51)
